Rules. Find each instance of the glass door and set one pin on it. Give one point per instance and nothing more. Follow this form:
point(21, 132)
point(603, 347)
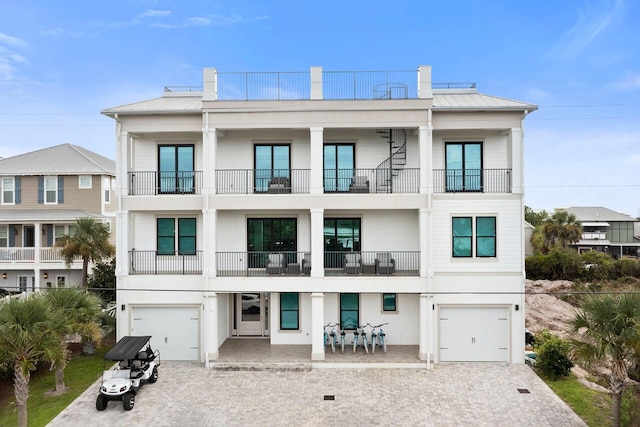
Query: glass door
point(175, 166)
point(339, 162)
point(271, 161)
point(251, 313)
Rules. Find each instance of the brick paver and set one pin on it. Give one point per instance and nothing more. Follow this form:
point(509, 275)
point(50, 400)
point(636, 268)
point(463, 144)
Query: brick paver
point(461, 394)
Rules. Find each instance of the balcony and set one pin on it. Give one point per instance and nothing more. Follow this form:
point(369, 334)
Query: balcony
point(262, 181)
point(406, 180)
point(472, 180)
point(149, 183)
point(153, 262)
point(296, 264)
point(29, 255)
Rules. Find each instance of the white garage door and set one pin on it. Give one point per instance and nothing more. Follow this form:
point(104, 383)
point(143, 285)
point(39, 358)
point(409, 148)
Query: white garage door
point(174, 330)
point(474, 334)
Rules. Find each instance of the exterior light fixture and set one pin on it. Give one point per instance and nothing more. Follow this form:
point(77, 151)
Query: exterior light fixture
point(4, 275)
point(45, 275)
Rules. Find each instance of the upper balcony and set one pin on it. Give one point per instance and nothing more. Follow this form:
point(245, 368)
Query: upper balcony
point(20, 255)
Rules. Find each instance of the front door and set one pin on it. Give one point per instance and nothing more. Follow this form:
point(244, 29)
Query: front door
point(252, 314)
point(29, 236)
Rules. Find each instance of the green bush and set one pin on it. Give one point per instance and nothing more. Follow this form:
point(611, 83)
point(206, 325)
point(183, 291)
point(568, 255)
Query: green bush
point(598, 265)
point(552, 356)
point(626, 267)
point(564, 264)
point(535, 266)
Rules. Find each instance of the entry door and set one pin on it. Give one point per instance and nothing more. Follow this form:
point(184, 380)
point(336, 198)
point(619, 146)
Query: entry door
point(252, 314)
point(29, 239)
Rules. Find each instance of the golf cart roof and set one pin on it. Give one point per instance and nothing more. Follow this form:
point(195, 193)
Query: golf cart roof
point(127, 348)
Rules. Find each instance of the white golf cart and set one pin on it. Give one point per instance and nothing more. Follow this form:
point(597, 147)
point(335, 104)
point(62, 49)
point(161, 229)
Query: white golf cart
point(137, 364)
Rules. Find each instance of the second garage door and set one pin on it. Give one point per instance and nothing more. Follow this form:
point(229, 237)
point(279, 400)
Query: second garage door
point(174, 330)
point(474, 334)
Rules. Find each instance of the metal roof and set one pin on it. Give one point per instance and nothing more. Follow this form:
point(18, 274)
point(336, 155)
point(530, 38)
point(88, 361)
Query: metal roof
point(19, 216)
point(473, 101)
point(64, 159)
point(168, 104)
point(597, 213)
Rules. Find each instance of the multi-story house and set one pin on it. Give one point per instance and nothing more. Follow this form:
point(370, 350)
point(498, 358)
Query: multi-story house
point(42, 195)
point(607, 231)
point(270, 204)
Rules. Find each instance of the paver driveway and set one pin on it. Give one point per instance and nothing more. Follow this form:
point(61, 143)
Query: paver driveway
point(461, 394)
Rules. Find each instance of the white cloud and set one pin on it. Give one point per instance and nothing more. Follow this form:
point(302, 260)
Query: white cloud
point(594, 19)
point(199, 21)
point(154, 13)
point(12, 41)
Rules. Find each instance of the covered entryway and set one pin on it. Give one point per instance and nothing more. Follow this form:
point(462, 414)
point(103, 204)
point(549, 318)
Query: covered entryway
point(474, 334)
point(174, 330)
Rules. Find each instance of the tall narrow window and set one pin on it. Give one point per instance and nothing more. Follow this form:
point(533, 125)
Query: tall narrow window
point(486, 236)
point(289, 311)
point(4, 236)
point(51, 189)
point(339, 163)
point(349, 311)
point(464, 166)
point(462, 236)
point(175, 169)
point(8, 187)
point(271, 161)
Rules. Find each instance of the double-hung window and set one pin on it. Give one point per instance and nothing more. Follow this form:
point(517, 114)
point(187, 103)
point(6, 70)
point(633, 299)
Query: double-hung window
point(289, 311)
point(463, 231)
point(8, 191)
point(177, 233)
point(4, 236)
point(464, 166)
point(50, 189)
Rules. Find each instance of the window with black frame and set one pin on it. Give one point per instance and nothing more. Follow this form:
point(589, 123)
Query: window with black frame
point(272, 161)
point(340, 235)
point(175, 169)
point(349, 311)
point(339, 164)
point(464, 166)
point(289, 311)
point(271, 235)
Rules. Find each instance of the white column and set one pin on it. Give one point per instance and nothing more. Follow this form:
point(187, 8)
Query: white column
point(210, 86)
point(316, 82)
point(517, 160)
point(425, 141)
point(210, 323)
point(37, 242)
point(317, 326)
point(424, 82)
point(424, 234)
point(316, 161)
point(424, 327)
point(317, 242)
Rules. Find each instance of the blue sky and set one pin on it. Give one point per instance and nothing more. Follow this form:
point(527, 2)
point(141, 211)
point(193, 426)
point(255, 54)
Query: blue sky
point(63, 61)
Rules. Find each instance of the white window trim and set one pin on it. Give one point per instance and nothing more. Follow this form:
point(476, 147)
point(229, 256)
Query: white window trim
point(55, 190)
point(107, 223)
point(2, 190)
point(80, 186)
point(107, 196)
point(64, 278)
point(6, 235)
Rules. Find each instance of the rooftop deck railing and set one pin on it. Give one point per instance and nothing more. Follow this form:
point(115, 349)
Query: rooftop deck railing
point(265, 86)
point(262, 181)
point(154, 262)
point(472, 180)
point(147, 183)
point(361, 85)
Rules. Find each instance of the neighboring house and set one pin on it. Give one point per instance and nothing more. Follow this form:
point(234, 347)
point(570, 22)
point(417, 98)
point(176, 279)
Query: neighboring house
point(271, 204)
point(607, 231)
point(528, 233)
point(42, 194)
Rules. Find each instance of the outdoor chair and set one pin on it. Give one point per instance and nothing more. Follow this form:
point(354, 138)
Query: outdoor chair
point(352, 263)
point(276, 263)
point(279, 185)
point(306, 264)
point(359, 184)
point(384, 263)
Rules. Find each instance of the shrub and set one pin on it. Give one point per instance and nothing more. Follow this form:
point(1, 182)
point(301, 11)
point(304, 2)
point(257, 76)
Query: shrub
point(564, 264)
point(552, 356)
point(598, 265)
point(626, 267)
point(535, 266)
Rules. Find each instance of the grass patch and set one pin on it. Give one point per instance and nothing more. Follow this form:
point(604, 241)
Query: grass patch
point(592, 406)
point(79, 374)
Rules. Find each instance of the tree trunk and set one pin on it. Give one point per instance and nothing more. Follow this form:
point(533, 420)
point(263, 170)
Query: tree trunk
point(617, 385)
point(85, 269)
point(21, 390)
point(60, 387)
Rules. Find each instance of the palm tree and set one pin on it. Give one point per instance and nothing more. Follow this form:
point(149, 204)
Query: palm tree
point(560, 230)
point(30, 332)
point(90, 241)
point(80, 310)
point(605, 329)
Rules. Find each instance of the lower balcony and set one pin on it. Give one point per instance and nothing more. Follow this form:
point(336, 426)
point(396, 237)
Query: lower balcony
point(29, 255)
point(154, 262)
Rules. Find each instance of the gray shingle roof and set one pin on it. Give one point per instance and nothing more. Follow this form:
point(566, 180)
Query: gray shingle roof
point(64, 159)
point(597, 213)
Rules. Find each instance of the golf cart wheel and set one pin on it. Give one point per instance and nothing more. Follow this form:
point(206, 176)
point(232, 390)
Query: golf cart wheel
point(154, 375)
point(101, 403)
point(128, 400)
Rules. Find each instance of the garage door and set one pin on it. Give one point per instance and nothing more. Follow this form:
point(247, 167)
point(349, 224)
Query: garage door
point(174, 330)
point(474, 334)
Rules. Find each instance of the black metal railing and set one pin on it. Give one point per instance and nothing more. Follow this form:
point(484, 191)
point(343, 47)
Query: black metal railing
point(263, 86)
point(472, 180)
point(355, 85)
point(265, 263)
point(262, 181)
point(372, 263)
point(371, 180)
point(155, 262)
point(146, 183)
